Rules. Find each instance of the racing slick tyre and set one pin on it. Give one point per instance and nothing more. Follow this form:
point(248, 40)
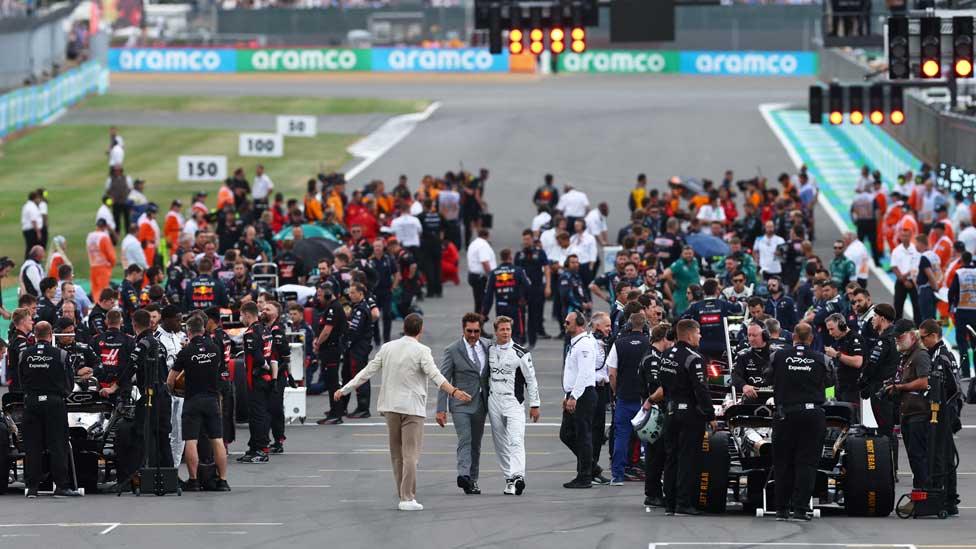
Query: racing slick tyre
point(869, 487)
point(240, 391)
point(714, 478)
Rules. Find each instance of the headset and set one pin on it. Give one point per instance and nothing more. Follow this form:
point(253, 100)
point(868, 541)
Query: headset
point(697, 293)
point(580, 319)
point(839, 319)
point(765, 333)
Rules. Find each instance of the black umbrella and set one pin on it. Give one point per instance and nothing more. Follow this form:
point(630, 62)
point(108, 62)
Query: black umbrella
point(312, 250)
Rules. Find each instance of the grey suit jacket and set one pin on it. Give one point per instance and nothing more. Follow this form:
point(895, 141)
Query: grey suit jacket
point(465, 375)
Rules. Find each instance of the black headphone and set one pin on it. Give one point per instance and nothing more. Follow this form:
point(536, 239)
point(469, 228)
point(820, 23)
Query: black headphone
point(840, 320)
point(580, 320)
point(697, 293)
point(765, 333)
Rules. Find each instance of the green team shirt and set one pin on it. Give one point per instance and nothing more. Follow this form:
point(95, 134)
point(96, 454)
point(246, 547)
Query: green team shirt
point(842, 270)
point(685, 274)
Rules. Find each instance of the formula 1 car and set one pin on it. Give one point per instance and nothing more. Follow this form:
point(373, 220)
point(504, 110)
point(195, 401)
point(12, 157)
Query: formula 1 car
point(855, 471)
point(93, 425)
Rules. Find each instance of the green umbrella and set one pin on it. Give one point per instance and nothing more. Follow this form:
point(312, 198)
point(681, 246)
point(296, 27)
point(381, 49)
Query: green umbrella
point(308, 231)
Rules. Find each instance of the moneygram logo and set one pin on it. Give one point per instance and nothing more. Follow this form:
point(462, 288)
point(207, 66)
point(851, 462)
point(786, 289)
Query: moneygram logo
point(438, 60)
point(171, 60)
point(749, 63)
point(301, 60)
point(619, 62)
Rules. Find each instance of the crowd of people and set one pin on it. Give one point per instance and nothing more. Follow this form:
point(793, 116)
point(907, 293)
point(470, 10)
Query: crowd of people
point(694, 259)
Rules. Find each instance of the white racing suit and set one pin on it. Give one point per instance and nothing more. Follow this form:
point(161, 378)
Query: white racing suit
point(173, 343)
point(506, 413)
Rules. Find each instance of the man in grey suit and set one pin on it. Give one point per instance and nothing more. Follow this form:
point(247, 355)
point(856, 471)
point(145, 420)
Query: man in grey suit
point(462, 365)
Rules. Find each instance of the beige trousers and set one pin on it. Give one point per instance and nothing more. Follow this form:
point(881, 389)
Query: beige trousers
point(406, 438)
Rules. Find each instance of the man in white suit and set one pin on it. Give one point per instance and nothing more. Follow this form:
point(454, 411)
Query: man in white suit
point(406, 366)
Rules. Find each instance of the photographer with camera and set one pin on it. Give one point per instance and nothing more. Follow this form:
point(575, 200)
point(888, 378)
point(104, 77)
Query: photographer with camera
point(910, 386)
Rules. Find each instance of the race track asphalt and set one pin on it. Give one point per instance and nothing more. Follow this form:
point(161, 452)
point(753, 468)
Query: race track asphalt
point(333, 486)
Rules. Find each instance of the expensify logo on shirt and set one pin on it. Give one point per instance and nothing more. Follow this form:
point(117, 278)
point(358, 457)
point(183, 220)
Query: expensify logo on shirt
point(749, 63)
point(438, 60)
point(171, 60)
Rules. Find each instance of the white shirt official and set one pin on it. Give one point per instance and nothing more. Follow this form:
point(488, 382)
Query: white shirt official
point(104, 212)
point(579, 371)
point(480, 251)
point(584, 246)
point(573, 204)
point(116, 155)
point(766, 247)
point(407, 229)
point(906, 259)
point(262, 187)
point(596, 224)
point(30, 217)
point(132, 252)
point(540, 221)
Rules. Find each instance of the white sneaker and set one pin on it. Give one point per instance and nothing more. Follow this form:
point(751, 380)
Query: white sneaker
point(411, 505)
point(509, 488)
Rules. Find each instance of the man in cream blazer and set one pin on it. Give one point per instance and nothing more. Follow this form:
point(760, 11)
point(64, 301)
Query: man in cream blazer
point(406, 365)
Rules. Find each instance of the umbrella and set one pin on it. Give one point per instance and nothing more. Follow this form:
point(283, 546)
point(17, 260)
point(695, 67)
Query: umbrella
point(707, 245)
point(308, 231)
point(693, 185)
point(312, 250)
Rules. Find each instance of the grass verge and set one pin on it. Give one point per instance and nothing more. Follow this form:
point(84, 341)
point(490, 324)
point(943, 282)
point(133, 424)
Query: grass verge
point(252, 104)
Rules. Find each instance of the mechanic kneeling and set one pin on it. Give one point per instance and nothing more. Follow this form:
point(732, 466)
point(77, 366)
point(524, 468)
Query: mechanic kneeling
point(751, 364)
point(46, 376)
point(200, 361)
point(799, 376)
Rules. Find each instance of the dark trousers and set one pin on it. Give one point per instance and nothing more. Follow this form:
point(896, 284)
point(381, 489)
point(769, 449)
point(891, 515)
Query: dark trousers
point(902, 293)
point(228, 405)
point(385, 302)
point(430, 256)
point(926, 304)
point(885, 413)
point(258, 418)
point(557, 310)
point(576, 432)
point(276, 409)
point(655, 455)
point(477, 283)
point(915, 434)
point(536, 310)
point(683, 436)
point(329, 360)
point(867, 232)
point(517, 314)
point(452, 232)
point(964, 339)
point(45, 428)
point(120, 212)
point(600, 425)
point(30, 240)
point(350, 367)
point(797, 443)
